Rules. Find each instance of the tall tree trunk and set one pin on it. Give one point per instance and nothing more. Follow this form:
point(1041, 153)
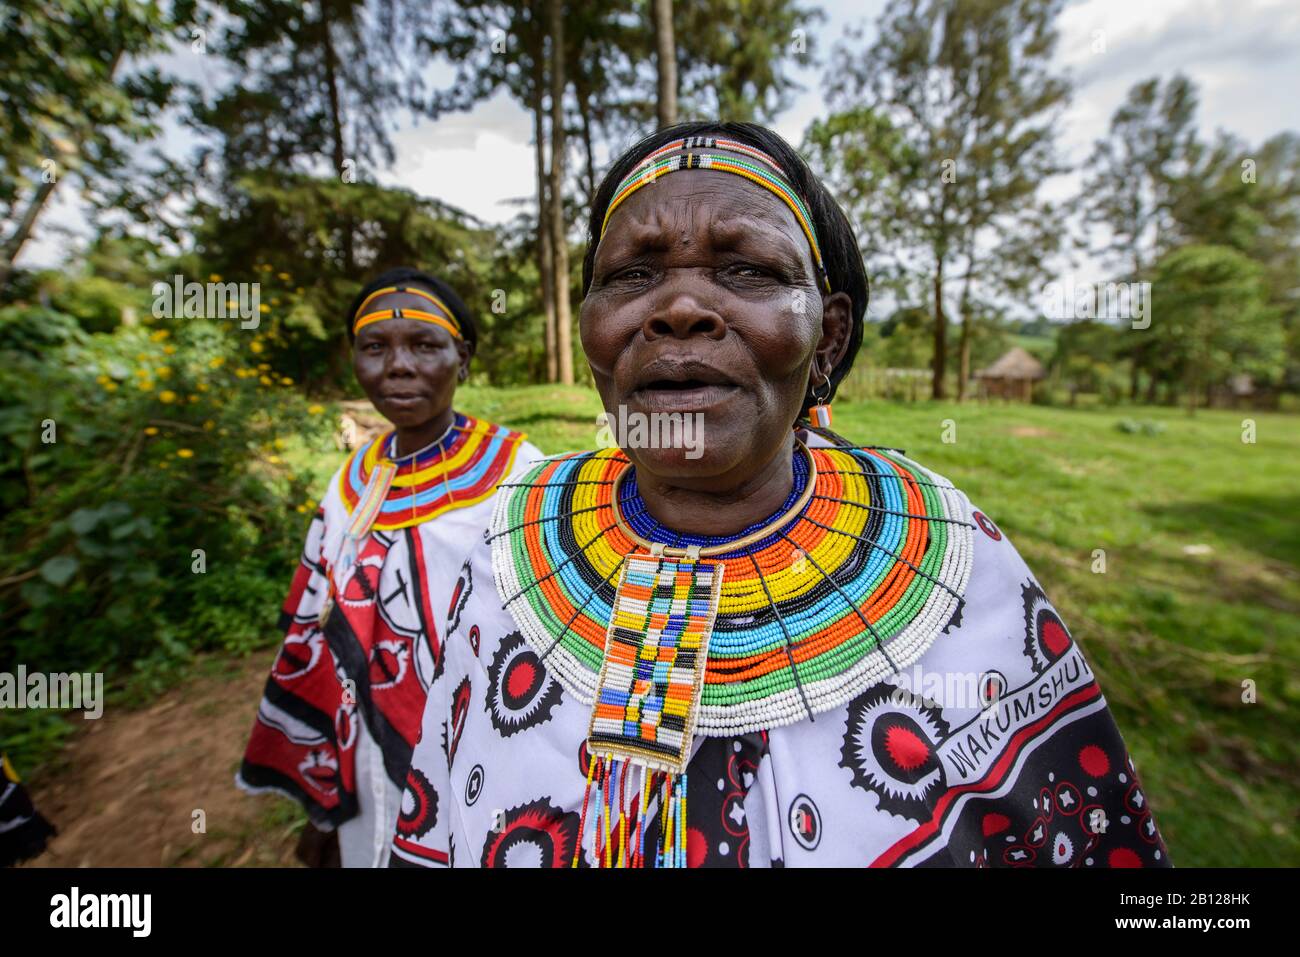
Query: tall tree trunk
point(937, 390)
point(14, 244)
point(339, 153)
point(559, 238)
point(588, 150)
point(963, 364)
point(666, 61)
point(544, 264)
point(23, 230)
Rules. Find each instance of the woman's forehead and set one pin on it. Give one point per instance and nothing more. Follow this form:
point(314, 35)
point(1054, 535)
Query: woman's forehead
point(402, 329)
point(726, 208)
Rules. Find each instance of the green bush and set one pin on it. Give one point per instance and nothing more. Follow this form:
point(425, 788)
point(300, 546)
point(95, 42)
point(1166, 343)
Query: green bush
point(150, 512)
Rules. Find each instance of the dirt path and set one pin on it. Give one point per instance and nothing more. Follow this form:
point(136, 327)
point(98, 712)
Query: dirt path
point(126, 792)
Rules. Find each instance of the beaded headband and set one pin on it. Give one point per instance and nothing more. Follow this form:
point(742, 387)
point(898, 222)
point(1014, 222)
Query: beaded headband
point(443, 317)
point(753, 164)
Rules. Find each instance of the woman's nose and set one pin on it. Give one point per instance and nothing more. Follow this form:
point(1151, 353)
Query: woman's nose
point(680, 313)
point(401, 361)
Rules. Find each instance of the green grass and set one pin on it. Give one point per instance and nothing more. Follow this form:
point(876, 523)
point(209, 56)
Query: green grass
point(1172, 635)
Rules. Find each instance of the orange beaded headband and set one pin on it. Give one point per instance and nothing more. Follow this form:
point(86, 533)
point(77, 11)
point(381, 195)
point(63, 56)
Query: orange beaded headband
point(443, 317)
point(698, 152)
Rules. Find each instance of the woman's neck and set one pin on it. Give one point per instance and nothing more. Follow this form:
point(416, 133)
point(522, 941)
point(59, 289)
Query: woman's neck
point(723, 505)
point(413, 438)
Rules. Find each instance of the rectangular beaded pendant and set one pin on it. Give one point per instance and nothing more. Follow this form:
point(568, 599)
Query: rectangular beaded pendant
point(648, 692)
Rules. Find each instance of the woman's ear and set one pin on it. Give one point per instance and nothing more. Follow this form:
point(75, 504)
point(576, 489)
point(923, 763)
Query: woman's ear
point(466, 352)
point(837, 325)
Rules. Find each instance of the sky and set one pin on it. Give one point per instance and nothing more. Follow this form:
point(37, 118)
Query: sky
point(1244, 56)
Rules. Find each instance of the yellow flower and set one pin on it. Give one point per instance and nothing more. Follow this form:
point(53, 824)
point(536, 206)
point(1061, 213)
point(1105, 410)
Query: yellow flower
point(167, 395)
point(151, 430)
point(286, 381)
point(264, 366)
point(300, 290)
point(264, 308)
point(213, 277)
point(162, 465)
point(160, 335)
point(255, 345)
point(275, 301)
point(201, 386)
point(274, 460)
point(266, 380)
point(185, 453)
point(142, 357)
point(110, 386)
point(217, 362)
point(194, 398)
point(209, 425)
point(278, 443)
point(302, 508)
point(284, 276)
point(315, 409)
point(145, 385)
point(163, 372)
point(103, 379)
point(169, 350)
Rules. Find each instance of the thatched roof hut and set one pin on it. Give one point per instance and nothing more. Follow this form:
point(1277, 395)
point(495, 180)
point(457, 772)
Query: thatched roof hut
point(1012, 376)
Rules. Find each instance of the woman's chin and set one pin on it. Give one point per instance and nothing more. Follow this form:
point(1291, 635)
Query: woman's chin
point(685, 462)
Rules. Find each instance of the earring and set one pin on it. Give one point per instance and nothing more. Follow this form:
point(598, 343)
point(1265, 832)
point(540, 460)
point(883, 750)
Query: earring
point(820, 414)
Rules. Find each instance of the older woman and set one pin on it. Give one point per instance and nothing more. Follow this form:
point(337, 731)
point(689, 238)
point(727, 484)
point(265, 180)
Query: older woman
point(343, 703)
point(725, 653)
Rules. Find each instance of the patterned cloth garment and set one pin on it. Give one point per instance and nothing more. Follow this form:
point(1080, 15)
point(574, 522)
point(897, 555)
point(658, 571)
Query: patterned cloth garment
point(342, 706)
point(886, 684)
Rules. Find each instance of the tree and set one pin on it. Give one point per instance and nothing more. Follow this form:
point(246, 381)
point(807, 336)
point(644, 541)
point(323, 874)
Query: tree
point(282, 228)
point(74, 100)
point(942, 134)
point(1134, 174)
point(665, 61)
point(1136, 168)
point(1212, 320)
point(559, 234)
point(1248, 199)
point(318, 87)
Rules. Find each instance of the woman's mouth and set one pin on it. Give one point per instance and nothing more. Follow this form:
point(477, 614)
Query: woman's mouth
point(403, 400)
point(682, 395)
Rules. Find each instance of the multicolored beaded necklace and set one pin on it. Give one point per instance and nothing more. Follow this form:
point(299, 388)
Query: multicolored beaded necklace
point(461, 468)
point(668, 635)
point(384, 491)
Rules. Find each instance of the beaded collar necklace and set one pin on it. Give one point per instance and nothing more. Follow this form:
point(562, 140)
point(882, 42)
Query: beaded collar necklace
point(850, 582)
point(692, 547)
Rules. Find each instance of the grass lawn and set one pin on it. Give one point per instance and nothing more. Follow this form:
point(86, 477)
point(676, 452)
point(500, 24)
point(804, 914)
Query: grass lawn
point(1198, 604)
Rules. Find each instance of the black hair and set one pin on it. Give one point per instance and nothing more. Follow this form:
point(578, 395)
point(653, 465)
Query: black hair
point(406, 276)
point(839, 244)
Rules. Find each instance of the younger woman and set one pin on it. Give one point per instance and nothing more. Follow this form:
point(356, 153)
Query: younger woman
point(363, 641)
